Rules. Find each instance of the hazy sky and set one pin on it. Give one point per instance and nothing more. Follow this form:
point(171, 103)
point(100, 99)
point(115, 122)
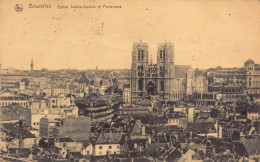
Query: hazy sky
point(209, 32)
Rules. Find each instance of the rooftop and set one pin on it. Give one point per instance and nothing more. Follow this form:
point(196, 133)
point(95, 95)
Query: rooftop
point(201, 126)
point(109, 138)
point(11, 127)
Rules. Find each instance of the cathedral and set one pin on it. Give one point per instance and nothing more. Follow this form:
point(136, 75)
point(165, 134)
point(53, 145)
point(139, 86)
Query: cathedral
point(152, 79)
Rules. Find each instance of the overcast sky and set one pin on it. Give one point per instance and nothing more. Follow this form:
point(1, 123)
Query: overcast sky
point(206, 33)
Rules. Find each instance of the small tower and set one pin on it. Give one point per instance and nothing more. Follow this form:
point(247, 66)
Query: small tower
point(32, 65)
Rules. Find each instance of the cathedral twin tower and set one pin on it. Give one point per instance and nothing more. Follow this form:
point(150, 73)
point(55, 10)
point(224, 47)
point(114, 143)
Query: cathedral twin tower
point(152, 79)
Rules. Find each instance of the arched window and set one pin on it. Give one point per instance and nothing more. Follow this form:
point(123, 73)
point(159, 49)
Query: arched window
point(162, 85)
point(139, 57)
point(140, 84)
point(162, 71)
point(142, 55)
point(140, 70)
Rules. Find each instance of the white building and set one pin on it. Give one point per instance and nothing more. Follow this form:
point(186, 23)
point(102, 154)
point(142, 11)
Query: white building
point(56, 108)
point(253, 114)
point(5, 101)
point(108, 143)
point(127, 95)
point(51, 114)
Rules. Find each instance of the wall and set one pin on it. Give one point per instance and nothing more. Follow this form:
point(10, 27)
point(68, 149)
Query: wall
point(105, 148)
point(76, 128)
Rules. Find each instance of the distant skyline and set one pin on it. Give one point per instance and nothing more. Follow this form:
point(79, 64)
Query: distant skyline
point(205, 34)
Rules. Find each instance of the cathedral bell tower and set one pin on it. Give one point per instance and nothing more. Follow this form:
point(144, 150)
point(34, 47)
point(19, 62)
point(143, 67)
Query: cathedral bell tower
point(165, 70)
point(140, 63)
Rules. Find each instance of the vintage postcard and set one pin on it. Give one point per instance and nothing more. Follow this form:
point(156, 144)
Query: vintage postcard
point(130, 80)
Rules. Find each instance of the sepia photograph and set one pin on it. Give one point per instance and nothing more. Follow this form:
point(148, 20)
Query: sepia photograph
point(130, 80)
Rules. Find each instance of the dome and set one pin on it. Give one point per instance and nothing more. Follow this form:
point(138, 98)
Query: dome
point(249, 62)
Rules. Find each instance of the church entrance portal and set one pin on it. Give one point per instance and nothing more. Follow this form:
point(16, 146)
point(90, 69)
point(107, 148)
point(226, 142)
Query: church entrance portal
point(151, 88)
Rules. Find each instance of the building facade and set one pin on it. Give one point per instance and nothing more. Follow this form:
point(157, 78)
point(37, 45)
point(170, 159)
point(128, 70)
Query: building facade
point(247, 77)
point(152, 79)
point(252, 77)
point(127, 94)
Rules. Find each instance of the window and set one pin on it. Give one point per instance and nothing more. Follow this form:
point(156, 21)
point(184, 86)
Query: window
point(64, 144)
point(162, 85)
point(140, 71)
point(139, 55)
point(142, 55)
point(100, 147)
point(110, 147)
point(162, 71)
point(140, 84)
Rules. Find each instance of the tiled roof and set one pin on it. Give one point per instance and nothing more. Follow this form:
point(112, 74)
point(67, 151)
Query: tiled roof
point(72, 87)
point(66, 140)
point(137, 128)
point(83, 79)
point(152, 148)
point(254, 109)
point(160, 128)
point(144, 103)
point(175, 116)
point(14, 98)
point(15, 129)
point(200, 127)
point(252, 145)
point(126, 86)
point(181, 70)
point(158, 105)
point(109, 138)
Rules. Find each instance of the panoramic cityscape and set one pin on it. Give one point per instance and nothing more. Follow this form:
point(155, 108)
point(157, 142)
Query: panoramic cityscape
point(152, 112)
point(130, 81)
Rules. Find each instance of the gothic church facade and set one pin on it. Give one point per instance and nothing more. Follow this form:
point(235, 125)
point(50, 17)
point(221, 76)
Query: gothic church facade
point(152, 79)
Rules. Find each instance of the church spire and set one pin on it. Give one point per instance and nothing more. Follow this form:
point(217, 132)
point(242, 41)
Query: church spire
point(32, 64)
point(151, 59)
